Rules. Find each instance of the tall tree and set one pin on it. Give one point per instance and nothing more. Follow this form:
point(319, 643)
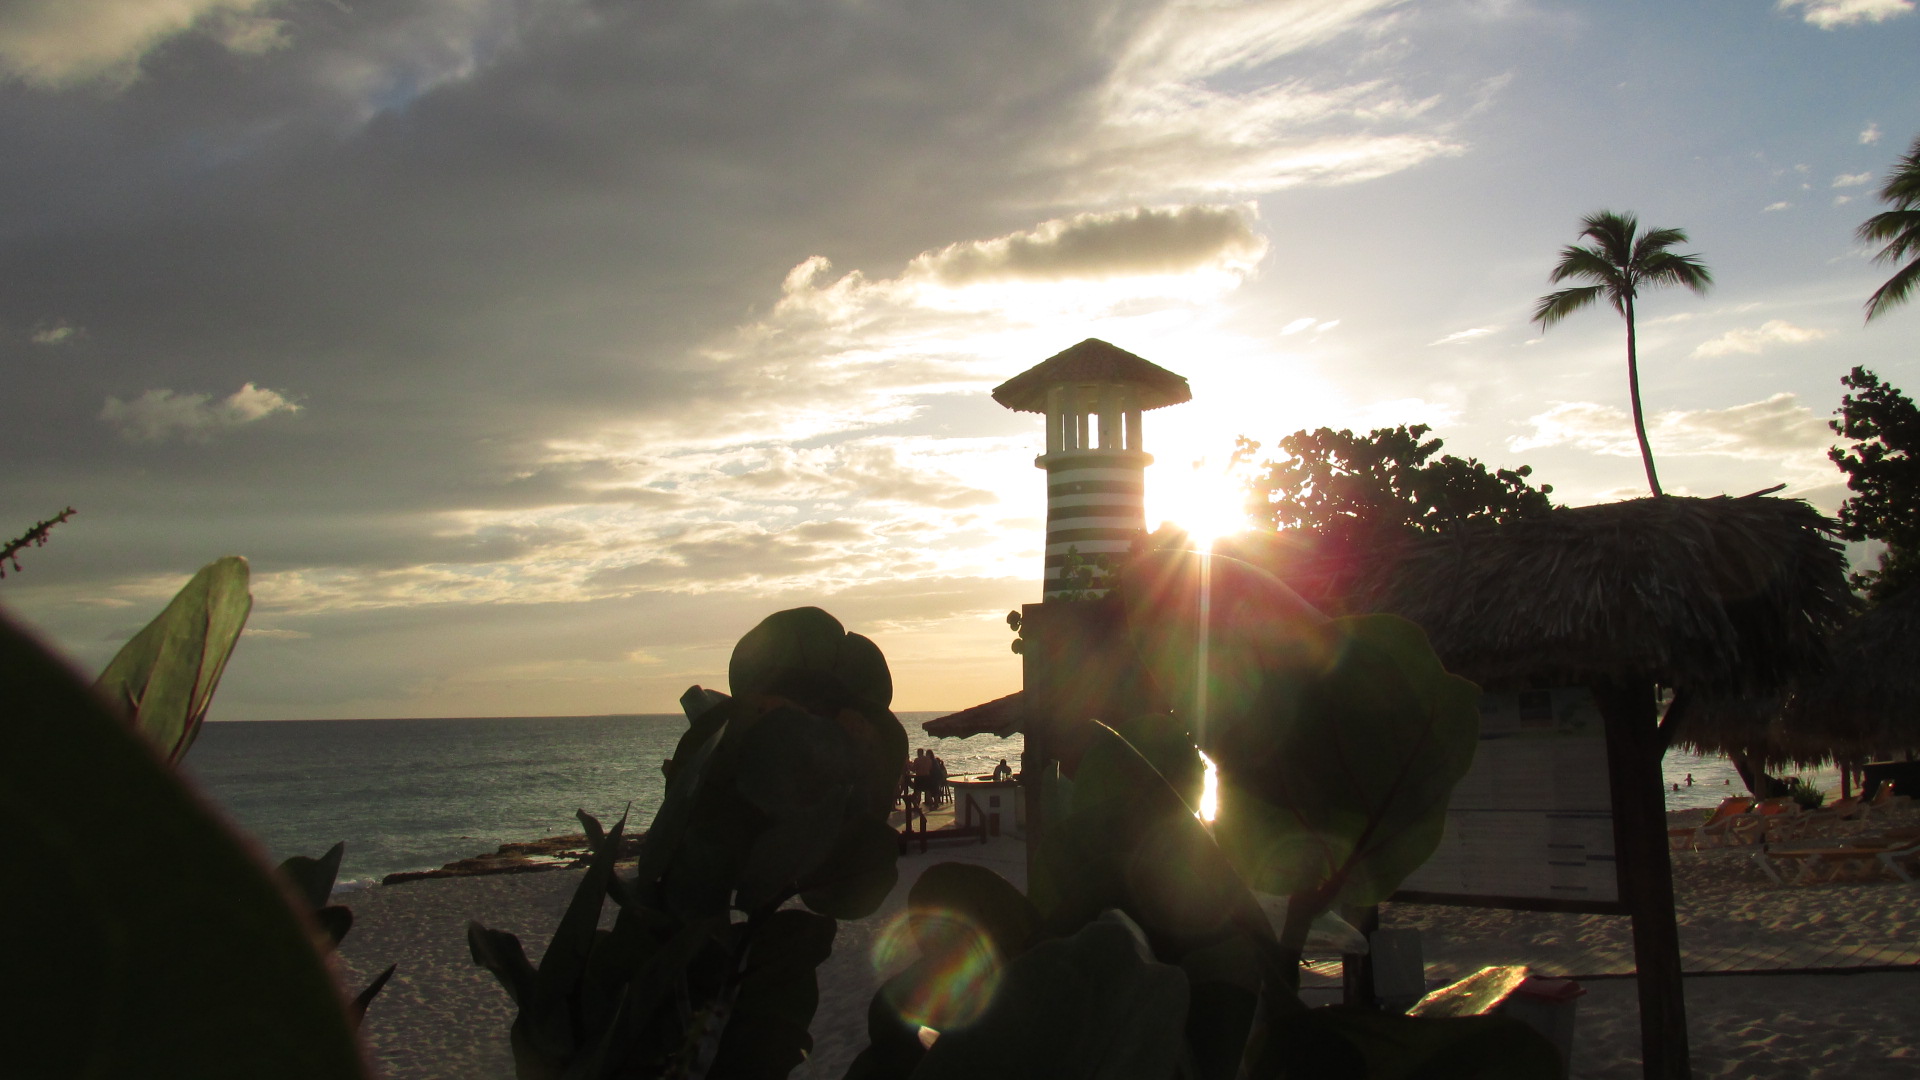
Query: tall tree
point(1352, 489)
point(1900, 228)
point(1883, 472)
point(1619, 262)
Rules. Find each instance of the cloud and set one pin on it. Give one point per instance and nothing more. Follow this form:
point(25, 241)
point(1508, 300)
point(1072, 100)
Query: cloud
point(58, 334)
point(1828, 14)
point(1094, 247)
point(52, 44)
point(1461, 336)
point(1771, 332)
point(1852, 179)
point(1297, 325)
point(158, 414)
point(1870, 134)
point(1842, 200)
point(1778, 428)
point(1771, 207)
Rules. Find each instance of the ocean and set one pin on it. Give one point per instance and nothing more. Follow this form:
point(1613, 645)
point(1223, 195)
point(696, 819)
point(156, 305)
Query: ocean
point(417, 794)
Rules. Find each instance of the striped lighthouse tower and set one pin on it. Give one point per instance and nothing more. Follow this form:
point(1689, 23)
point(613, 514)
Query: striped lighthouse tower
point(1092, 396)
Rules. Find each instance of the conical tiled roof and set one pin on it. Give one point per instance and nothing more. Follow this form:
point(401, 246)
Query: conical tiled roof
point(1092, 361)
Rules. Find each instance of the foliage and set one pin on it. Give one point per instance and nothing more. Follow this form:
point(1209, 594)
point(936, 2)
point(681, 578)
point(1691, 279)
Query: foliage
point(1900, 229)
point(34, 537)
point(1883, 472)
point(312, 881)
point(1620, 261)
point(1804, 793)
point(202, 968)
point(1140, 948)
point(1351, 488)
point(165, 677)
point(778, 792)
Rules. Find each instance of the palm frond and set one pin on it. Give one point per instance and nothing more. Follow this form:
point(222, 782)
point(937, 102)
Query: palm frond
point(1613, 232)
point(1587, 264)
point(1900, 226)
point(1896, 290)
point(1556, 306)
point(1667, 268)
point(1657, 241)
point(1903, 184)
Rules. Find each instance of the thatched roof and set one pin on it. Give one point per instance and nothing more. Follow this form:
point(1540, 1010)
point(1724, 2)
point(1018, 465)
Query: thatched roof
point(1001, 717)
point(1713, 595)
point(1092, 361)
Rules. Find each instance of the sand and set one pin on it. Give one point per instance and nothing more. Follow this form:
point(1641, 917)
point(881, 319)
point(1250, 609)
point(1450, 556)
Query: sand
point(443, 1017)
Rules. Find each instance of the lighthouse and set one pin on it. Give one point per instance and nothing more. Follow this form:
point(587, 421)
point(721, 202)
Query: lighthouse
point(1092, 396)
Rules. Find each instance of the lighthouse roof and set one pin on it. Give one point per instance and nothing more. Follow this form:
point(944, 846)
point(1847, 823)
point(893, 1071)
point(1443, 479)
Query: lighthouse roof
point(1092, 361)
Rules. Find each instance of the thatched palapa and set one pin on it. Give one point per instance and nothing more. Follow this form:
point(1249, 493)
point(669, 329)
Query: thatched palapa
point(1720, 595)
point(1001, 717)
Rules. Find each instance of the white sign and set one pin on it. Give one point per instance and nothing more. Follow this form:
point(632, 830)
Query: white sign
point(1533, 818)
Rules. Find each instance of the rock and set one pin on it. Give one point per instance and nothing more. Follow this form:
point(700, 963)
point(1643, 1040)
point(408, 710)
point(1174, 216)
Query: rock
point(528, 857)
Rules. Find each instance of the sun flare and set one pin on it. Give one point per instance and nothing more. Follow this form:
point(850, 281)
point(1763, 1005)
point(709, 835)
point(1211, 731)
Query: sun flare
point(1202, 498)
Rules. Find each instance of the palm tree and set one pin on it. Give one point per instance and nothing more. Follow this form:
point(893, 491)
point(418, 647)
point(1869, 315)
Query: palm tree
point(1619, 263)
point(1900, 228)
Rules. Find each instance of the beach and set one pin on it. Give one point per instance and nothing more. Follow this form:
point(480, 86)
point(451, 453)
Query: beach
point(441, 1016)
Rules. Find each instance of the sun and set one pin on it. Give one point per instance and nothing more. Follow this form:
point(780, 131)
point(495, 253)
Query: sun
point(1202, 498)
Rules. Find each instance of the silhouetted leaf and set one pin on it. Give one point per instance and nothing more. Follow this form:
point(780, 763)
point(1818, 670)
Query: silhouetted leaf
point(766, 1035)
point(203, 971)
point(165, 677)
point(313, 879)
point(1095, 1006)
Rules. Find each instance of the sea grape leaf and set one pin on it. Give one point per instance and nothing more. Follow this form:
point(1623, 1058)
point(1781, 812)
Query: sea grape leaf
point(808, 647)
point(1094, 1006)
point(974, 899)
point(1337, 780)
point(858, 874)
point(1342, 1042)
point(766, 1034)
point(111, 993)
point(313, 878)
point(1133, 844)
point(165, 677)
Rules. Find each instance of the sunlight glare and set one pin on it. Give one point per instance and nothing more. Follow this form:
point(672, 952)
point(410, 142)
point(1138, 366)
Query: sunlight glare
point(1209, 792)
point(1204, 500)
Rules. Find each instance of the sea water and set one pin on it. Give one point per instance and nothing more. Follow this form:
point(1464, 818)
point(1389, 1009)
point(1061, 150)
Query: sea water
point(417, 794)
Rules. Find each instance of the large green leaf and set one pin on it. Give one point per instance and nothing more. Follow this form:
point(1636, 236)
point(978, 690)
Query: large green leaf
point(206, 970)
point(1336, 780)
point(165, 677)
point(804, 651)
point(766, 1035)
point(1094, 1006)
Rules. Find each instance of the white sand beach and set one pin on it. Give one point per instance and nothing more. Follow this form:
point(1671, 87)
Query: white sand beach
point(441, 1016)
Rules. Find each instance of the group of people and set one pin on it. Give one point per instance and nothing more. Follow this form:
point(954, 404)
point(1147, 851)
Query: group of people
point(926, 776)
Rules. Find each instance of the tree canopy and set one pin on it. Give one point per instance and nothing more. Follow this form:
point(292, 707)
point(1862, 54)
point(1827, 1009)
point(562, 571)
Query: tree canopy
point(1356, 488)
point(1883, 472)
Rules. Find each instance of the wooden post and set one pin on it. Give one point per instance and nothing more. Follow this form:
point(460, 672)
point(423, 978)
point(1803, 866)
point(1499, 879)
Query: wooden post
point(1646, 872)
point(1036, 759)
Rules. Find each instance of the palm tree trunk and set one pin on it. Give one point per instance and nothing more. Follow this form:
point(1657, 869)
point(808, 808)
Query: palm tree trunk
point(1633, 393)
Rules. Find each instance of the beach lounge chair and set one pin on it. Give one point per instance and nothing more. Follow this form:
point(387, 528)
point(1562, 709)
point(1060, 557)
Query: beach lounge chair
point(1763, 822)
point(1851, 808)
point(1896, 860)
point(1712, 831)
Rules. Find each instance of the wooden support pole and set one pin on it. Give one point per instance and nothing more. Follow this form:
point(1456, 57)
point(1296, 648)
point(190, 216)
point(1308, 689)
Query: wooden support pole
point(1646, 872)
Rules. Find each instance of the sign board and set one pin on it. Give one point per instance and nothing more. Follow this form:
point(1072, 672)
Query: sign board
point(1531, 824)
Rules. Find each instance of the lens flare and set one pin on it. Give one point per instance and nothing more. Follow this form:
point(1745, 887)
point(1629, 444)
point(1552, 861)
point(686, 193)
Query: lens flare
point(1209, 792)
point(948, 969)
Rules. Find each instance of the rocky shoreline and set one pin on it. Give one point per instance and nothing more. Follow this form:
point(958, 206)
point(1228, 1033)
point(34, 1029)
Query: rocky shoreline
point(529, 857)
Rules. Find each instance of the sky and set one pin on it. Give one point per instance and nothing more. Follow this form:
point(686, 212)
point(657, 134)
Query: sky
point(534, 350)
